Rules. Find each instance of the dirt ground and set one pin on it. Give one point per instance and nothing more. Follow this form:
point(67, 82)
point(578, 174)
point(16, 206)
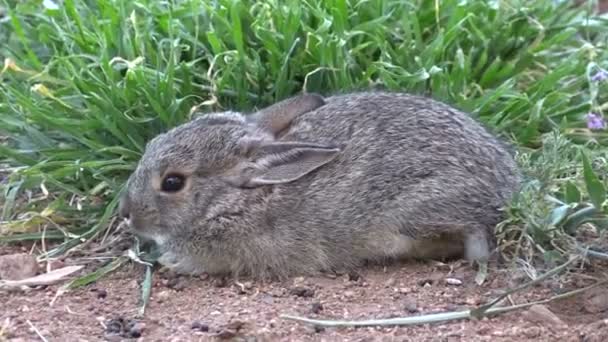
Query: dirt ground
point(203, 308)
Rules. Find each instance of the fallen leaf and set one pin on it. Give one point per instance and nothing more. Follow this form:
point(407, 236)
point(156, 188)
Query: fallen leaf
point(42, 279)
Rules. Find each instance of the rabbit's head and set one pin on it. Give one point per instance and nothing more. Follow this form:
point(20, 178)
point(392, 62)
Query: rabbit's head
point(200, 169)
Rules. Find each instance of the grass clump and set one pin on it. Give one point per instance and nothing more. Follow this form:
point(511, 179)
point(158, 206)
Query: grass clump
point(85, 84)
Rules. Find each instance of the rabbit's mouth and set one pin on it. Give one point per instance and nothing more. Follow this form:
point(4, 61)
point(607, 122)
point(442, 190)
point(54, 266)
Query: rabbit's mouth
point(145, 230)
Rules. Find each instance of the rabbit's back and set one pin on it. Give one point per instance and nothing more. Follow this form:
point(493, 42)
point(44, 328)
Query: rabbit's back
point(409, 165)
point(398, 139)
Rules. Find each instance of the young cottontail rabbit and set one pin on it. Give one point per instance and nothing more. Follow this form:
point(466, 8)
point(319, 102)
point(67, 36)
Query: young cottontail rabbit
point(312, 184)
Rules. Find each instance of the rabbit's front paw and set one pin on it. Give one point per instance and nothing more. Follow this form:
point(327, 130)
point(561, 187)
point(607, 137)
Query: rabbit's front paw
point(180, 264)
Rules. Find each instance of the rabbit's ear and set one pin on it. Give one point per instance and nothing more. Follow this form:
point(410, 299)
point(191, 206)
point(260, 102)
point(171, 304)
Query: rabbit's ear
point(282, 162)
point(277, 117)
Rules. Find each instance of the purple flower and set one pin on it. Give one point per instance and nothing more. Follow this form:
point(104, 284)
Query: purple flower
point(600, 76)
point(595, 121)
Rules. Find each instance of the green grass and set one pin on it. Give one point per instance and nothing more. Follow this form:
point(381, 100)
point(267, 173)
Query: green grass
point(84, 86)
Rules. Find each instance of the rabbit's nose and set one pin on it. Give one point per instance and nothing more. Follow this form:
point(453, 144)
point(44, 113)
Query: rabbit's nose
point(123, 207)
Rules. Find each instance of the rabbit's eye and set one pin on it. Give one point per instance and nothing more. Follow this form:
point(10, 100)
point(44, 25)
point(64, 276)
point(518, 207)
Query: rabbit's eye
point(172, 183)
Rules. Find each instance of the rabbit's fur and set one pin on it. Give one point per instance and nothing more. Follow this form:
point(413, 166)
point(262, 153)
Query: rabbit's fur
point(312, 184)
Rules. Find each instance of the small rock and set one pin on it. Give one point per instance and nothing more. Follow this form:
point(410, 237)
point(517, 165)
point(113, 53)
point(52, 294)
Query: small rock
point(410, 306)
point(539, 313)
point(18, 266)
point(431, 279)
point(220, 282)
point(163, 296)
point(235, 325)
point(267, 299)
point(101, 293)
point(532, 332)
point(453, 281)
point(353, 276)
point(455, 307)
point(109, 337)
point(390, 282)
point(426, 282)
point(225, 334)
point(316, 307)
point(240, 288)
point(136, 330)
point(199, 326)
point(349, 294)
point(176, 283)
point(596, 301)
point(115, 325)
point(302, 291)
point(278, 292)
point(405, 290)
point(473, 300)
point(314, 329)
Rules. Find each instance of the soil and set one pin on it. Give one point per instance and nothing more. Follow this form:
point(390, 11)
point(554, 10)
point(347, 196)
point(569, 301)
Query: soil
point(207, 308)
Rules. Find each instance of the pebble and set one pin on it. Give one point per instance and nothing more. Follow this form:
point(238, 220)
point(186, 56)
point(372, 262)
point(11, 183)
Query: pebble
point(349, 294)
point(235, 325)
point(163, 296)
point(114, 325)
point(540, 314)
point(404, 290)
point(302, 291)
point(532, 332)
point(410, 306)
point(473, 300)
point(267, 299)
point(119, 327)
point(176, 283)
point(225, 334)
point(220, 282)
point(316, 307)
point(453, 281)
point(136, 330)
point(111, 337)
point(316, 329)
point(353, 276)
point(101, 293)
point(199, 326)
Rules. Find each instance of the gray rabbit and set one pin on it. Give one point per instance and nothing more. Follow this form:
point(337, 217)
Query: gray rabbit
point(312, 184)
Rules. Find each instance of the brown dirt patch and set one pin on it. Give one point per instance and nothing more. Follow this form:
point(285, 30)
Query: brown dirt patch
point(200, 308)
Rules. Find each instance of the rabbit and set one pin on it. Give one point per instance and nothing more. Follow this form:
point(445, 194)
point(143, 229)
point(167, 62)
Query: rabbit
point(317, 184)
